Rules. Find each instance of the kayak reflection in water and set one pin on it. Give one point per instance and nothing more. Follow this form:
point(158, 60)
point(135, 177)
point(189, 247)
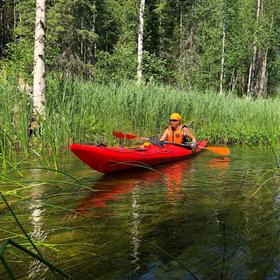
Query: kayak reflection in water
point(175, 175)
point(110, 188)
point(219, 163)
point(177, 132)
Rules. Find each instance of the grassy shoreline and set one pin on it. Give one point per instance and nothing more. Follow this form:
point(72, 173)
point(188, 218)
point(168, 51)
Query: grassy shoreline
point(87, 112)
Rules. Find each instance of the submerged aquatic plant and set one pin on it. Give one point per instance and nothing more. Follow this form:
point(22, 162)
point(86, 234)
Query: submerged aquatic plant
point(38, 254)
point(15, 181)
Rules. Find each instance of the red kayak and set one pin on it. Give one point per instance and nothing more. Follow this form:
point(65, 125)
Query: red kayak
point(109, 159)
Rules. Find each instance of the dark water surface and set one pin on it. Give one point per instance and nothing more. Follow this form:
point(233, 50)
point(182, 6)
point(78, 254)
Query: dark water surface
point(203, 218)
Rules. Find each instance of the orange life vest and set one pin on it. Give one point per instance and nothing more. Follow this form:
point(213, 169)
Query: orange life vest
point(175, 136)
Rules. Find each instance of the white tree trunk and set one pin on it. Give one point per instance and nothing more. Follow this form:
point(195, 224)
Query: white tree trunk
point(222, 59)
point(39, 60)
point(140, 40)
point(252, 69)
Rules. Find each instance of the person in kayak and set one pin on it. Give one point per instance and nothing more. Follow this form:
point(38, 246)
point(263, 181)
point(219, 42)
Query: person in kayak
point(178, 133)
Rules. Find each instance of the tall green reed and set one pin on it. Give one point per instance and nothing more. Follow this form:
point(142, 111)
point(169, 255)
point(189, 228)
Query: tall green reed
point(87, 112)
point(91, 111)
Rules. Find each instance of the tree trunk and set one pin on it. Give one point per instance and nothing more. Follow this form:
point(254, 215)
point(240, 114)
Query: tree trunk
point(233, 80)
point(181, 30)
point(140, 40)
point(39, 60)
point(15, 15)
point(82, 51)
point(2, 26)
point(222, 59)
point(262, 91)
point(262, 84)
point(94, 48)
point(252, 69)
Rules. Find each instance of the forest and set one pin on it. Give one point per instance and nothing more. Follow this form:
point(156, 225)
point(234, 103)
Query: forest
point(229, 48)
point(222, 45)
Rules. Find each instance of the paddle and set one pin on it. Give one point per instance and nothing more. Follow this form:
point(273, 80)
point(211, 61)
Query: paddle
point(121, 135)
point(223, 151)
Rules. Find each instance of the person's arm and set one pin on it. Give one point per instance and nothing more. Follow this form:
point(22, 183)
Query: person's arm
point(164, 136)
point(187, 132)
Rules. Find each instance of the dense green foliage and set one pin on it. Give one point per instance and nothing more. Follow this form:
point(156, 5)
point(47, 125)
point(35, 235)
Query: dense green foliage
point(211, 44)
point(197, 47)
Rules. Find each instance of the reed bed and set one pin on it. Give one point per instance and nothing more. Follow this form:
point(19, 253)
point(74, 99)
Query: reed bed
point(87, 112)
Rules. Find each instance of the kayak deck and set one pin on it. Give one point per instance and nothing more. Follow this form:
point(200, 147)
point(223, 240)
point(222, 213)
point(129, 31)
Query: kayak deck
point(109, 159)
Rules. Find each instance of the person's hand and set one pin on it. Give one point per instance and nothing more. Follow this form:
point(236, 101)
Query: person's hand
point(161, 143)
point(193, 145)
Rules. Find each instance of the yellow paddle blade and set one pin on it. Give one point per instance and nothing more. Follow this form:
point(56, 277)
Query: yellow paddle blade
point(223, 151)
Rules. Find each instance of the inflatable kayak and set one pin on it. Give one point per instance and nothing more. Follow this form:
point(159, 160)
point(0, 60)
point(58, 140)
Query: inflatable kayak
point(109, 159)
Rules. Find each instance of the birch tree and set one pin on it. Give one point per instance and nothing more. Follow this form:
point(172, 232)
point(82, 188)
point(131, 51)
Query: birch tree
point(252, 69)
point(222, 58)
point(39, 60)
point(140, 40)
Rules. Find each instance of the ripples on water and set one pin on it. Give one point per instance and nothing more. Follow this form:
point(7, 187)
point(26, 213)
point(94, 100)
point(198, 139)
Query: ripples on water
point(195, 218)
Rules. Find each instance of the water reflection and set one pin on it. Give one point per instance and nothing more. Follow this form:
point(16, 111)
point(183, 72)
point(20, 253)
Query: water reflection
point(112, 187)
point(219, 163)
point(168, 178)
point(135, 221)
point(174, 176)
point(200, 211)
point(36, 208)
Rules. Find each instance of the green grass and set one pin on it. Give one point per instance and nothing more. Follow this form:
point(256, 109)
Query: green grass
point(88, 112)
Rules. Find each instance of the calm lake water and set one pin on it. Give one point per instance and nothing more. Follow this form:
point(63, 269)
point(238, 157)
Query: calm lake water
point(202, 218)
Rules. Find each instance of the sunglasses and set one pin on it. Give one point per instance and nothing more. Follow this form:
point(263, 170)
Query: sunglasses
point(173, 120)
